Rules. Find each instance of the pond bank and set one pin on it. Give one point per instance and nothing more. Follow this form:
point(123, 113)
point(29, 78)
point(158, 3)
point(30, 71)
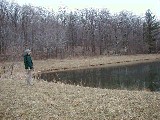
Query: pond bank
point(55, 65)
point(58, 101)
point(95, 62)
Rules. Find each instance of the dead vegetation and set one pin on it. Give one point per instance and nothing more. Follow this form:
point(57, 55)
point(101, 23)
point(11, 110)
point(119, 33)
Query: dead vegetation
point(58, 101)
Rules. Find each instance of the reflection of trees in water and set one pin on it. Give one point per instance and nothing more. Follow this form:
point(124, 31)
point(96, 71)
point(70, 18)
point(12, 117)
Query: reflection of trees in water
point(126, 77)
point(152, 79)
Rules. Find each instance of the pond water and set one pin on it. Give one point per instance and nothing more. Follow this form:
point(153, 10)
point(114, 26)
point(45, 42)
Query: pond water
point(130, 77)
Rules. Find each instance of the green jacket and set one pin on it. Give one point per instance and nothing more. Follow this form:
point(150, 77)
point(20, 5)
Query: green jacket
point(28, 62)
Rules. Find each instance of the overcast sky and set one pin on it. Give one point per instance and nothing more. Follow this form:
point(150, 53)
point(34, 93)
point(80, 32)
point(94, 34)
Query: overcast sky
point(138, 7)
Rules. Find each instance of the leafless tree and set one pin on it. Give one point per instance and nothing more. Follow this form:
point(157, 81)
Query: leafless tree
point(62, 34)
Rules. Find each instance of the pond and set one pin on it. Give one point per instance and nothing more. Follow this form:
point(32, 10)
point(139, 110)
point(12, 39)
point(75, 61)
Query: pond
point(131, 77)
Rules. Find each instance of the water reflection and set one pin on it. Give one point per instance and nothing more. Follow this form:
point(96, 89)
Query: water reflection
point(140, 76)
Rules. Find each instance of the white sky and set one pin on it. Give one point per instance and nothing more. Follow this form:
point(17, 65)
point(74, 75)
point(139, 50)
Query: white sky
point(138, 7)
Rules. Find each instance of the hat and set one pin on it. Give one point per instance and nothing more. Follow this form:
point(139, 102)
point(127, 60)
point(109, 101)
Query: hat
point(27, 51)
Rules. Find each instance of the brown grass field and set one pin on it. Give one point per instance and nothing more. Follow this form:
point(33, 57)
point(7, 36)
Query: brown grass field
point(58, 101)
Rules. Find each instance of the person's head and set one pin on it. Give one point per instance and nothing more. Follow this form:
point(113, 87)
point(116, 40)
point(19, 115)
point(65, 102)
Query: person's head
point(28, 51)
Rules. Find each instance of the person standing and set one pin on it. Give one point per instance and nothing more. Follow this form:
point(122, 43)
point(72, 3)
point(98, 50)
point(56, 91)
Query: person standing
point(28, 66)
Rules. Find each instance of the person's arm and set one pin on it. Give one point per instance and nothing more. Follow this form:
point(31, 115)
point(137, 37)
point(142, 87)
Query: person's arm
point(30, 63)
point(25, 62)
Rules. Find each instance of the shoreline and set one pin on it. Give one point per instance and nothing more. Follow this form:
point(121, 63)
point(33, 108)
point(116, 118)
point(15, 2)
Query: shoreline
point(101, 65)
point(57, 65)
point(58, 101)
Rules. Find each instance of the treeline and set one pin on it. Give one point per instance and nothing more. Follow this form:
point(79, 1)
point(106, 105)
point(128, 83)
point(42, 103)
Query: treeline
point(86, 32)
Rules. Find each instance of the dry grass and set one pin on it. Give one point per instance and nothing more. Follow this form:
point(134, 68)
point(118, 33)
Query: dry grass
point(81, 63)
point(57, 101)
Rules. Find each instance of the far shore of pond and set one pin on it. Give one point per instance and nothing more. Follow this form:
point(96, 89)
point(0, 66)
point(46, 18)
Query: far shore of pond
point(56, 65)
point(96, 62)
